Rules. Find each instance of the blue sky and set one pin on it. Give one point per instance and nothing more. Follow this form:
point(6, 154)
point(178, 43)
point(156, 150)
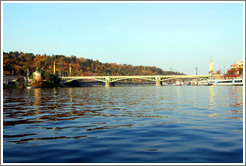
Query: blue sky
point(177, 36)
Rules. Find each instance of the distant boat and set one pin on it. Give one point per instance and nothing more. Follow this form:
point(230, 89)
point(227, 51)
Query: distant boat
point(229, 82)
point(178, 83)
point(164, 84)
point(203, 83)
point(238, 82)
point(28, 87)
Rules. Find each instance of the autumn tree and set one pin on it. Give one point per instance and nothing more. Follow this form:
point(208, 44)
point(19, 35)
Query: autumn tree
point(20, 62)
point(232, 71)
point(239, 70)
point(218, 72)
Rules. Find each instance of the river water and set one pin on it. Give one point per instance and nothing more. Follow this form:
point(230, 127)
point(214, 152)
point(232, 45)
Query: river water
point(149, 124)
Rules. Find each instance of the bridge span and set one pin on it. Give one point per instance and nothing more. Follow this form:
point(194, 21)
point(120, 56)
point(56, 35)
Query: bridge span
point(158, 79)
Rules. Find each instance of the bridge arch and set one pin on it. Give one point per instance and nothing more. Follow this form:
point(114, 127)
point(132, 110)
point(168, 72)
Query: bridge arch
point(77, 79)
point(120, 79)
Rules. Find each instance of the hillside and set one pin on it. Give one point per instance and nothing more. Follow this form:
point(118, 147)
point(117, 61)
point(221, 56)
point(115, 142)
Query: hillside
point(17, 63)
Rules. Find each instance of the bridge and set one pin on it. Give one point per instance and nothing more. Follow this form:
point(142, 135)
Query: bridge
point(158, 79)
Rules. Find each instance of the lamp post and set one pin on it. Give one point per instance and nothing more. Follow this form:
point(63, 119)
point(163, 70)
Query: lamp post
point(54, 68)
point(70, 69)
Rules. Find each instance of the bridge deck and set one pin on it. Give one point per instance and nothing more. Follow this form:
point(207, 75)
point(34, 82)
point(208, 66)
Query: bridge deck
point(156, 78)
point(146, 77)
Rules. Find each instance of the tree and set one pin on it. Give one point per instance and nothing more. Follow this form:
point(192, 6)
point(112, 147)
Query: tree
point(239, 70)
point(20, 62)
point(232, 71)
point(218, 72)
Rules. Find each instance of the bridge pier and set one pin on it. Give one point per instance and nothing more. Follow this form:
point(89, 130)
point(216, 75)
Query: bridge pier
point(107, 84)
point(158, 83)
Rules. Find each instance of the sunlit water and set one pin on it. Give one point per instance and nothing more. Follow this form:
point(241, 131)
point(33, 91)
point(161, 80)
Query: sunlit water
point(150, 124)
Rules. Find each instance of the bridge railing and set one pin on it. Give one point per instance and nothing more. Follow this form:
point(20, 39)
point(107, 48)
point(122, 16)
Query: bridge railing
point(156, 78)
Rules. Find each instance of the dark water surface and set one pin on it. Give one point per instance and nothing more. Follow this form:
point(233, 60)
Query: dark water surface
point(123, 125)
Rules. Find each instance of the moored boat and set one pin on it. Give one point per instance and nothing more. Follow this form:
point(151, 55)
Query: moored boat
point(203, 83)
point(29, 86)
point(229, 82)
point(223, 83)
point(178, 83)
point(238, 82)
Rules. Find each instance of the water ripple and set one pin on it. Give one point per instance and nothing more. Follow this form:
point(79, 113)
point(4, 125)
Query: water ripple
point(123, 125)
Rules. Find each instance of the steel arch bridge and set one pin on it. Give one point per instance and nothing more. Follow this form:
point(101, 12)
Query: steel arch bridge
point(155, 78)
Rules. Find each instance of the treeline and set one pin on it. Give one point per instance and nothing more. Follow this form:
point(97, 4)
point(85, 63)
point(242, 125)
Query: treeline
point(17, 63)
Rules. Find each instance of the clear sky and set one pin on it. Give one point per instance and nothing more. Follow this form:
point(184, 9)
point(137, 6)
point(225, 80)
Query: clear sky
point(176, 36)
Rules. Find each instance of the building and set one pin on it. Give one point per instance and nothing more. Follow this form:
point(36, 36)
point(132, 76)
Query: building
point(238, 65)
point(10, 80)
point(37, 76)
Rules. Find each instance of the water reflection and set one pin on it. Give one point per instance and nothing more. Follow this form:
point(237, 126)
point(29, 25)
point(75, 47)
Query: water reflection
point(69, 104)
point(71, 95)
point(236, 103)
point(37, 99)
point(211, 97)
point(21, 141)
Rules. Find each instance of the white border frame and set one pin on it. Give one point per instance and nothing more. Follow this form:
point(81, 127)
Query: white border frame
point(2, 2)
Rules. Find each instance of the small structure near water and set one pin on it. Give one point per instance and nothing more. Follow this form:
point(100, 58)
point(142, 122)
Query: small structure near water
point(37, 76)
point(37, 79)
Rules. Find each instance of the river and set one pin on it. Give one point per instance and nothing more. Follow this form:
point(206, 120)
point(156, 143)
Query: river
point(167, 124)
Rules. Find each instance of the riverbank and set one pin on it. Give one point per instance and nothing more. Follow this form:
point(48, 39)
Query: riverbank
point(5, 86)
point(23, 86)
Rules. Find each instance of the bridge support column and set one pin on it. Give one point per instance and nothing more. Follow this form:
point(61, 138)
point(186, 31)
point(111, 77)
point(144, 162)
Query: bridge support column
point(107, 84)
point(158, 83)
point(107, 81)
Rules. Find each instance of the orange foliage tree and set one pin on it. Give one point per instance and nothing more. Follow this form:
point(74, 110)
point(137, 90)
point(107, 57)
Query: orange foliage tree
point(20, 62)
